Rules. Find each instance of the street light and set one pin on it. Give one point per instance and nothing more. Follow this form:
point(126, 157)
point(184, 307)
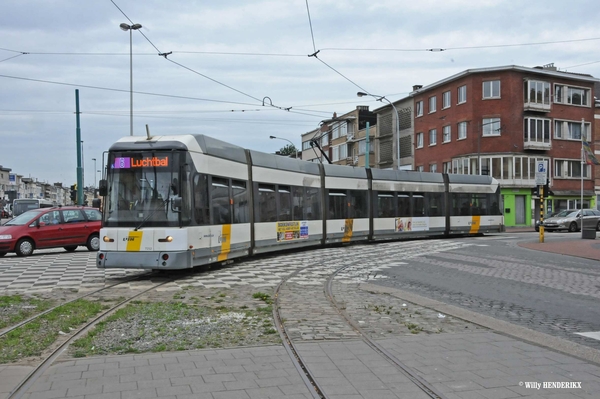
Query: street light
point(280, 138)
point(94, 159)
point(381, 98)
point(130, 28)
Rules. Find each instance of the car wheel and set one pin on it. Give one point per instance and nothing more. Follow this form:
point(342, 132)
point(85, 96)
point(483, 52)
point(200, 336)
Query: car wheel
point(70, 248)
point(24, 247)
point(2, 254)
point(598, 226)
point(93, 243)
point(573, 227)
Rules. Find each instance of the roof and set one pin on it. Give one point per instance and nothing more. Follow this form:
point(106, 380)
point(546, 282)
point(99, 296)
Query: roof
point(516, 68)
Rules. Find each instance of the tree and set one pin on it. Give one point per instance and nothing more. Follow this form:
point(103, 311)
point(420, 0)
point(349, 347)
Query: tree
point(289, 149)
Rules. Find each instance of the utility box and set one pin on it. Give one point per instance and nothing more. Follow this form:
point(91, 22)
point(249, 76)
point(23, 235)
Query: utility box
point(588, 233)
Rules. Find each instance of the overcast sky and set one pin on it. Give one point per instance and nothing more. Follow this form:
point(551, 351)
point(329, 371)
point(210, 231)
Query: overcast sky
point(228, 55)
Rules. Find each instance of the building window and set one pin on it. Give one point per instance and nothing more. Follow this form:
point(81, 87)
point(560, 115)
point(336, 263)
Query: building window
point(446, 99)
point(491, 89)
point(446, 134)
point(571, 95)
point(568, 169)
point(447, 167)
point(462, 130)
point(433, 168)
point(419, 140)
point(432, 104)
point(433, 137)
point(420, 108)
point(571, 130)
point(537, 92)
point(490, 127)
point(462, 94)
point(420, 168)
point(536, 130)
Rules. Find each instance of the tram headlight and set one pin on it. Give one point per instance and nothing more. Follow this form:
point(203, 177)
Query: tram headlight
point(107, 239)
point(166, 239)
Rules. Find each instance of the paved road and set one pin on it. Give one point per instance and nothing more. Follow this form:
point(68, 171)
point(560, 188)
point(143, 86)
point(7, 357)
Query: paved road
point(546, 292)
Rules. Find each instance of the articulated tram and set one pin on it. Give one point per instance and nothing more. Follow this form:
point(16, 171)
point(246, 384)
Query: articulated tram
point(176, 202)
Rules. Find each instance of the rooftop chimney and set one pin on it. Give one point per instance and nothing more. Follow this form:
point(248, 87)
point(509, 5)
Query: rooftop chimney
point(417, 87)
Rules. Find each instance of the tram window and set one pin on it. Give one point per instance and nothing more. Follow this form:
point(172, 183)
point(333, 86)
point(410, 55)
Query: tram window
point(418, 204)
point(358, 204)
point(403, 205)
point(461, 204)
point(385, 205)
point(221, 213)
point(297, 203)
point(337, 204)
point(312, 204)
point(494, 207)
point(480, 204)
point(267, 207)
point(241, 211)
point(436, 204)
point(285, 203)
point(201, 210)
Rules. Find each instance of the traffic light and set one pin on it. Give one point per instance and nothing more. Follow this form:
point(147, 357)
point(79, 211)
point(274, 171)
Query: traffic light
point(74, 193)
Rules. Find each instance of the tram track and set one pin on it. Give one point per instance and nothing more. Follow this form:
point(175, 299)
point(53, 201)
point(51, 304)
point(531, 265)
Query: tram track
point(310, 380)
point(21, 388)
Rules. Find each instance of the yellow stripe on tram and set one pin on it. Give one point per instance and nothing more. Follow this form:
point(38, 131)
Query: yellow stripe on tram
point(475, 222)
point(348, 225)
point(225, 242)
point(134, 241)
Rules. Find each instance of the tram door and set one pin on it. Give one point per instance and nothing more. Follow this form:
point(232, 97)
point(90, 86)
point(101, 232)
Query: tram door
point(520, 209)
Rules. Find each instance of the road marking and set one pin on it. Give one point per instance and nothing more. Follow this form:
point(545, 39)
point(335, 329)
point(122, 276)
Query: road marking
point(593, 334)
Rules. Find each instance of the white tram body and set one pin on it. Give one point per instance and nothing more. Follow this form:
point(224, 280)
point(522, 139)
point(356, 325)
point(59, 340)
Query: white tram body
point(176, 202)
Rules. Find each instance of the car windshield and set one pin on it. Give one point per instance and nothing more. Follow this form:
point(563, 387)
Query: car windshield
point(24, 218)
point(566, 213)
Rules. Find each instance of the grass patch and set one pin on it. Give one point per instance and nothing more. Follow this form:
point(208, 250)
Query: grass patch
point(15, 308)
point(163, 326)
point(37, 336)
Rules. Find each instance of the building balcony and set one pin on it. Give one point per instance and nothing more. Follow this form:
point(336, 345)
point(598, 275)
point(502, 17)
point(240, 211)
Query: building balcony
point(536, 107)
point(536, 145)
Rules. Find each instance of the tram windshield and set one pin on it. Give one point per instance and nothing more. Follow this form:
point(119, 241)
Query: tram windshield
point(145, 189)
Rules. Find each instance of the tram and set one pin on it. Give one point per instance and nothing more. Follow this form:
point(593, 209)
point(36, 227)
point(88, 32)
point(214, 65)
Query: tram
point(180, 201)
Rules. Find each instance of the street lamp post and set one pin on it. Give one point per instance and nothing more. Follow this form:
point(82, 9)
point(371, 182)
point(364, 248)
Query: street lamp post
point(94, 159)
point(381, 98)
point(130, 28)
point(289, 141)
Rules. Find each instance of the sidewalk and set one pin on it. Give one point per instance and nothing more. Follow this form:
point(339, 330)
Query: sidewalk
point(572, 245)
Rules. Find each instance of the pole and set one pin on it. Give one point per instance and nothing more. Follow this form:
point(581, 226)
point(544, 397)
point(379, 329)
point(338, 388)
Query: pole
point(78, 143)
point(130, 82)
point(94, 159)
point(367, 163)
point(583, 164)
point(541, 189)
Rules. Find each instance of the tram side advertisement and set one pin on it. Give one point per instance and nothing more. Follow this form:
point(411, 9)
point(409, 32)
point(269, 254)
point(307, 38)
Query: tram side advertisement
point(411, 224)
point(295, 230)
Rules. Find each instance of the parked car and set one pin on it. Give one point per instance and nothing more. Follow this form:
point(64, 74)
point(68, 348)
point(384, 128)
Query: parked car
point(537, 221)
point(570, 220)
point(67, 227)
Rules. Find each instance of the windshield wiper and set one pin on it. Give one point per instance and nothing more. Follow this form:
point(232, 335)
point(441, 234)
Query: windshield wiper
point(152, 212)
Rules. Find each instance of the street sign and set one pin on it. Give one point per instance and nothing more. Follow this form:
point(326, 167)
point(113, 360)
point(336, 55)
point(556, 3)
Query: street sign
point(541, 173)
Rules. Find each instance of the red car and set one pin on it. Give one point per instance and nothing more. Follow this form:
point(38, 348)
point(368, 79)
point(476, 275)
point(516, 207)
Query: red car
point(67, 227)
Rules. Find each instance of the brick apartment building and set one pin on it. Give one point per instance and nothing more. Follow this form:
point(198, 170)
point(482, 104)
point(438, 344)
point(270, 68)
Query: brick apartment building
point(501, 121)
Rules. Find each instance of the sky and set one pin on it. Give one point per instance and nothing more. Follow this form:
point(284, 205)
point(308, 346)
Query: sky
point(241, 70)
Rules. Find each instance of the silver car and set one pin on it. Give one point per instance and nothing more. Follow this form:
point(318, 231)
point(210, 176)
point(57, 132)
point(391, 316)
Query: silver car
point(570, 220)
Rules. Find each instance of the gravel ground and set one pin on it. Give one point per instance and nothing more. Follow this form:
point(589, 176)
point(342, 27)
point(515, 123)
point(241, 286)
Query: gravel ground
point(170, 319)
